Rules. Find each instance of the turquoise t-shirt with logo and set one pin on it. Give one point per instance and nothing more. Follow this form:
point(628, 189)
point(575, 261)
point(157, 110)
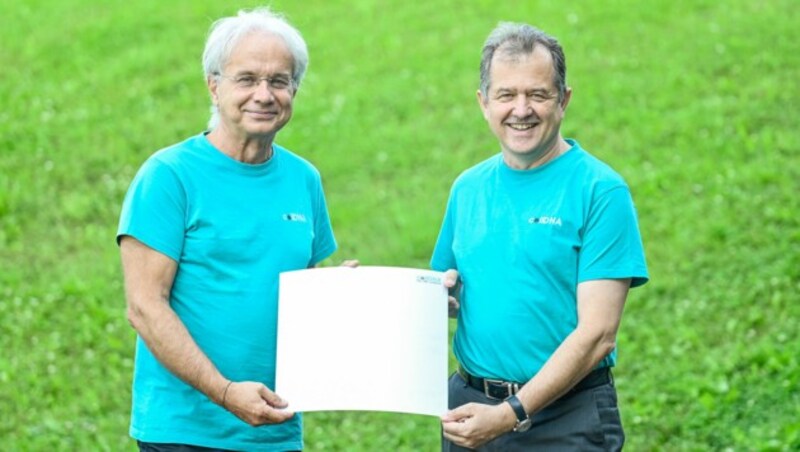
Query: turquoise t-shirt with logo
point(232, 228)
point(522, 240)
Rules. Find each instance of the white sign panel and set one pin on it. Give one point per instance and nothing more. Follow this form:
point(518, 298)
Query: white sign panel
point(366, 338)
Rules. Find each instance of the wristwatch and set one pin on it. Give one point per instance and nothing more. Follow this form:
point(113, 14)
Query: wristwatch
point(523, 421)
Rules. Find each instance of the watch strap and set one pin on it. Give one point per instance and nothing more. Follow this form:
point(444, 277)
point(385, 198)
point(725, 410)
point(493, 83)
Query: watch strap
point(519, 410)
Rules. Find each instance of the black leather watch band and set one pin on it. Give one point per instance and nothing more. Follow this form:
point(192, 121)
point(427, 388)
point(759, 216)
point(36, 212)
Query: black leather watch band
point(523, 420)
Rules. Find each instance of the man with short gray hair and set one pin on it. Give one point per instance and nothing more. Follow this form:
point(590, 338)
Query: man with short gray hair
point(540, 244)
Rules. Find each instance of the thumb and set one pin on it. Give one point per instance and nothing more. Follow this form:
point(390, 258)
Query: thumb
point(458, 414)
point(450, 278)
point(272, 399)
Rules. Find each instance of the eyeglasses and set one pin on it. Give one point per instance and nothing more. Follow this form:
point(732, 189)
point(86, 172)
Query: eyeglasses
point(248, 81)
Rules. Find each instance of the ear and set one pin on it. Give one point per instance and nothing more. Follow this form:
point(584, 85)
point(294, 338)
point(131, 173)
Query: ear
point(212, 84)
point(483, 102)
point(566, 99)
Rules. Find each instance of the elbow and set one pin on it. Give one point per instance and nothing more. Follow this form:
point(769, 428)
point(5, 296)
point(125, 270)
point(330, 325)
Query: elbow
point(601, 342)
point(606, 345)
point(145, 308)
point(135, 317)
point(605, 342)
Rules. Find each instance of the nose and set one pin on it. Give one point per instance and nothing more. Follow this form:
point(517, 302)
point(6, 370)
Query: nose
point(262, 92)
point(522, 106)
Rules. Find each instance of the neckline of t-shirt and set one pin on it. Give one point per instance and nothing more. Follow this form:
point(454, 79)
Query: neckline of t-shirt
point(562, 159)
point(245, 168)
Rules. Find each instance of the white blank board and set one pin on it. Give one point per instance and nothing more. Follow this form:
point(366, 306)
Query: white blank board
point(365, 338)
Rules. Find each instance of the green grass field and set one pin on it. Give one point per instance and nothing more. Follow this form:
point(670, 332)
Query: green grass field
point(694, 102)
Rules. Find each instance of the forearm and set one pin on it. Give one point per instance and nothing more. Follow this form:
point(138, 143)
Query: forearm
point(572, 361)
point(170, 342)
point(148, 283)
point(600, 305)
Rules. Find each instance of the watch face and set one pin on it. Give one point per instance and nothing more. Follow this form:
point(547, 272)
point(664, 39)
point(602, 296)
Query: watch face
point(523, 426)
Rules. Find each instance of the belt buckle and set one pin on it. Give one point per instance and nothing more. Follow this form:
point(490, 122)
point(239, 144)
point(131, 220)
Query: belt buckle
point(511, 388)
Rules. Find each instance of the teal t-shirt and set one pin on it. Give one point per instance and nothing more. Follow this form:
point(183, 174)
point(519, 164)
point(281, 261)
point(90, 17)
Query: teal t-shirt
point(522, 241)
point(232, 228)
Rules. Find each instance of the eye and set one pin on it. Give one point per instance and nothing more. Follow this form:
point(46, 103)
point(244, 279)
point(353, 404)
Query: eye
point(245, 81)
point(279, 82)
point(540, 96)
point(504, 96)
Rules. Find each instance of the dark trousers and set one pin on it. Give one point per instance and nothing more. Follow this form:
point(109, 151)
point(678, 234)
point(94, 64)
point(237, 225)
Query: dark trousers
point(586, 420)
point(169, 447)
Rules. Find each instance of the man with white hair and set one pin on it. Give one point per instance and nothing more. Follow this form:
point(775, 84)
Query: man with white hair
point(206, 227)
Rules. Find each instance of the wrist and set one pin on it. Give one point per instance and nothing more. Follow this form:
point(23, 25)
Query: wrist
point(509, 417)
point(522, 421)
point(223, 394)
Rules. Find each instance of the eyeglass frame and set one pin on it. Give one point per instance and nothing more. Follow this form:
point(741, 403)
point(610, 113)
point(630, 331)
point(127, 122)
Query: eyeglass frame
point(256, 81)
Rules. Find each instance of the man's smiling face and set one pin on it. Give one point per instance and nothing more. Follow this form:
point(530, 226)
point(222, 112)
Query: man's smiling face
point(263, 109)
point(522, 105)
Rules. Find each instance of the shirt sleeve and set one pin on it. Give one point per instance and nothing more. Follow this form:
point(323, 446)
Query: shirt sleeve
point(443, 257)
point(154, 210)
point(324, 243)
point(612, 246)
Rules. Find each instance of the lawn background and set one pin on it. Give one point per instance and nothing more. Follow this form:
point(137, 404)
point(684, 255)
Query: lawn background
point(695, 103)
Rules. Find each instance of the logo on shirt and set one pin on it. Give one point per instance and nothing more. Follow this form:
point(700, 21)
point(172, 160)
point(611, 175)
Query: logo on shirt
point(554, 221)
point(294, 217)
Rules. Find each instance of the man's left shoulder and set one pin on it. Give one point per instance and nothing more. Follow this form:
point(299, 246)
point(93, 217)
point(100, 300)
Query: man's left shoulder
point(295, 161)
point(599, 170)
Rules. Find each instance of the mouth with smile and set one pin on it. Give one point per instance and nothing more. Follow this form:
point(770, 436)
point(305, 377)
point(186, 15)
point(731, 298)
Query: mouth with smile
point(521, 126)
point(261, 114)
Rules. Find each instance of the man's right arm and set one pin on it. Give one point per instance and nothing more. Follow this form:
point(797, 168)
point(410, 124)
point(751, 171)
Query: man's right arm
point(148, 282)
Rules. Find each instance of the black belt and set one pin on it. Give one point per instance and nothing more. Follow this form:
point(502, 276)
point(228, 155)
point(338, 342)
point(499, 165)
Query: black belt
point(501, 390)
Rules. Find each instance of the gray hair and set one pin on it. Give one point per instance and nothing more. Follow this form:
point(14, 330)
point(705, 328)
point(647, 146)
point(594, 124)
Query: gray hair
point(515, 40)
point(226, 33)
